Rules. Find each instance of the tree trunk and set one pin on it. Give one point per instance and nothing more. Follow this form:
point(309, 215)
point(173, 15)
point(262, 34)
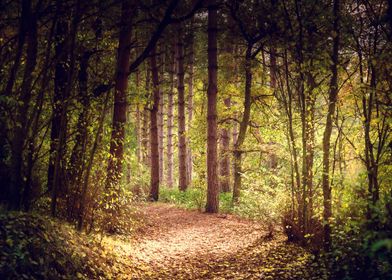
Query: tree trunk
point(33, 122)
point(114, 169)
point(190, 104)
point(145, 142)
point(182, 158)
point(154, 184)
point(289, 111)
point(333, 92)
point(93, 150)
point(273, 67)
point(169, 156)
point(212, 205)
point(310, 144)
point(78, 152)
point(21, 129)
point(23, 27)
point(138, 124)
point(160, 116)
point(225, 155)
point(59, 118)
point(243, 126)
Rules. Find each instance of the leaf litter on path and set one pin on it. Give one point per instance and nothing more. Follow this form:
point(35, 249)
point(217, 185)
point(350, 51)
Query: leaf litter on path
point(176, 243)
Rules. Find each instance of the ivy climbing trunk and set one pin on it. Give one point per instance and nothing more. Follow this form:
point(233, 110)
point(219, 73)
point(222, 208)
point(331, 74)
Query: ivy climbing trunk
point(114, 170)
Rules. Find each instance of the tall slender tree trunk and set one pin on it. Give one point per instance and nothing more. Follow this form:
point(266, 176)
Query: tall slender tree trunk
point(23, 27)
point(138, 124)
point(114, 170)
point(154, 184)
point(182, 157)
point(371, 160)
point(333, 93)
point(309, 146)
point(212, 205)
point(169, 150)
point(21, 129)
point(243, 126)
point(303, 114)
point(145, 141)
point(160, 116)
point(90, 162)
point(34, 122)
point(273, 67)
point(190, 104)
point(289, 111)
point(225, 155)
point(78, 152)
point(59, 118)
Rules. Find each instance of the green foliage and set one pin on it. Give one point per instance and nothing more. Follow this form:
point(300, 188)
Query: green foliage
point(362, 247)
point(38, 247)
point(193, 198)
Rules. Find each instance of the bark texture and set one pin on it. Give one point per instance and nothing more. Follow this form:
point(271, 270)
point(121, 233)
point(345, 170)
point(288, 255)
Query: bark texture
point(170, 117)
point(114, 171)
point(225, 155)
point(332, 97)
point(154, 183)
point(243, 126)
point(190, 104)
point(212, 205)
point(182, 151)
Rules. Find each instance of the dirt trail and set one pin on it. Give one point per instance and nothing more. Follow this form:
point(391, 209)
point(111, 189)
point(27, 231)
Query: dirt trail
point(174, 234)
point(182, 244)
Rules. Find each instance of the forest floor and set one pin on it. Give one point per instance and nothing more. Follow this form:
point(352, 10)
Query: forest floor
point(158, 241)
point(175, 243)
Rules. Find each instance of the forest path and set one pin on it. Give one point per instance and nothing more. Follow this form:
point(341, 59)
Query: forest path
point(182, 244)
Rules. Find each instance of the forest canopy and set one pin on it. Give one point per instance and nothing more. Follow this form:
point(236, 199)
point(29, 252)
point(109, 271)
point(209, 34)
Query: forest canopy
point(274, 111)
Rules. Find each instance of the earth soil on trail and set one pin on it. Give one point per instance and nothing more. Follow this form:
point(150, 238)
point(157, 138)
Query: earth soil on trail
point(176, 243)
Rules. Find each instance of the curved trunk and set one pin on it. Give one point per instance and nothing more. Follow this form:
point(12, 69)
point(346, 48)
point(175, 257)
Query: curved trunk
point(243, 126)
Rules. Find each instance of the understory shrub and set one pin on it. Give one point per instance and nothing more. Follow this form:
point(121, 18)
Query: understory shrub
point(363, 250)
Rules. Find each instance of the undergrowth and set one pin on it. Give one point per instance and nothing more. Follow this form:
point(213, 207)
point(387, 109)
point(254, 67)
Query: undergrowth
point(249, 206)
point(36, 246)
